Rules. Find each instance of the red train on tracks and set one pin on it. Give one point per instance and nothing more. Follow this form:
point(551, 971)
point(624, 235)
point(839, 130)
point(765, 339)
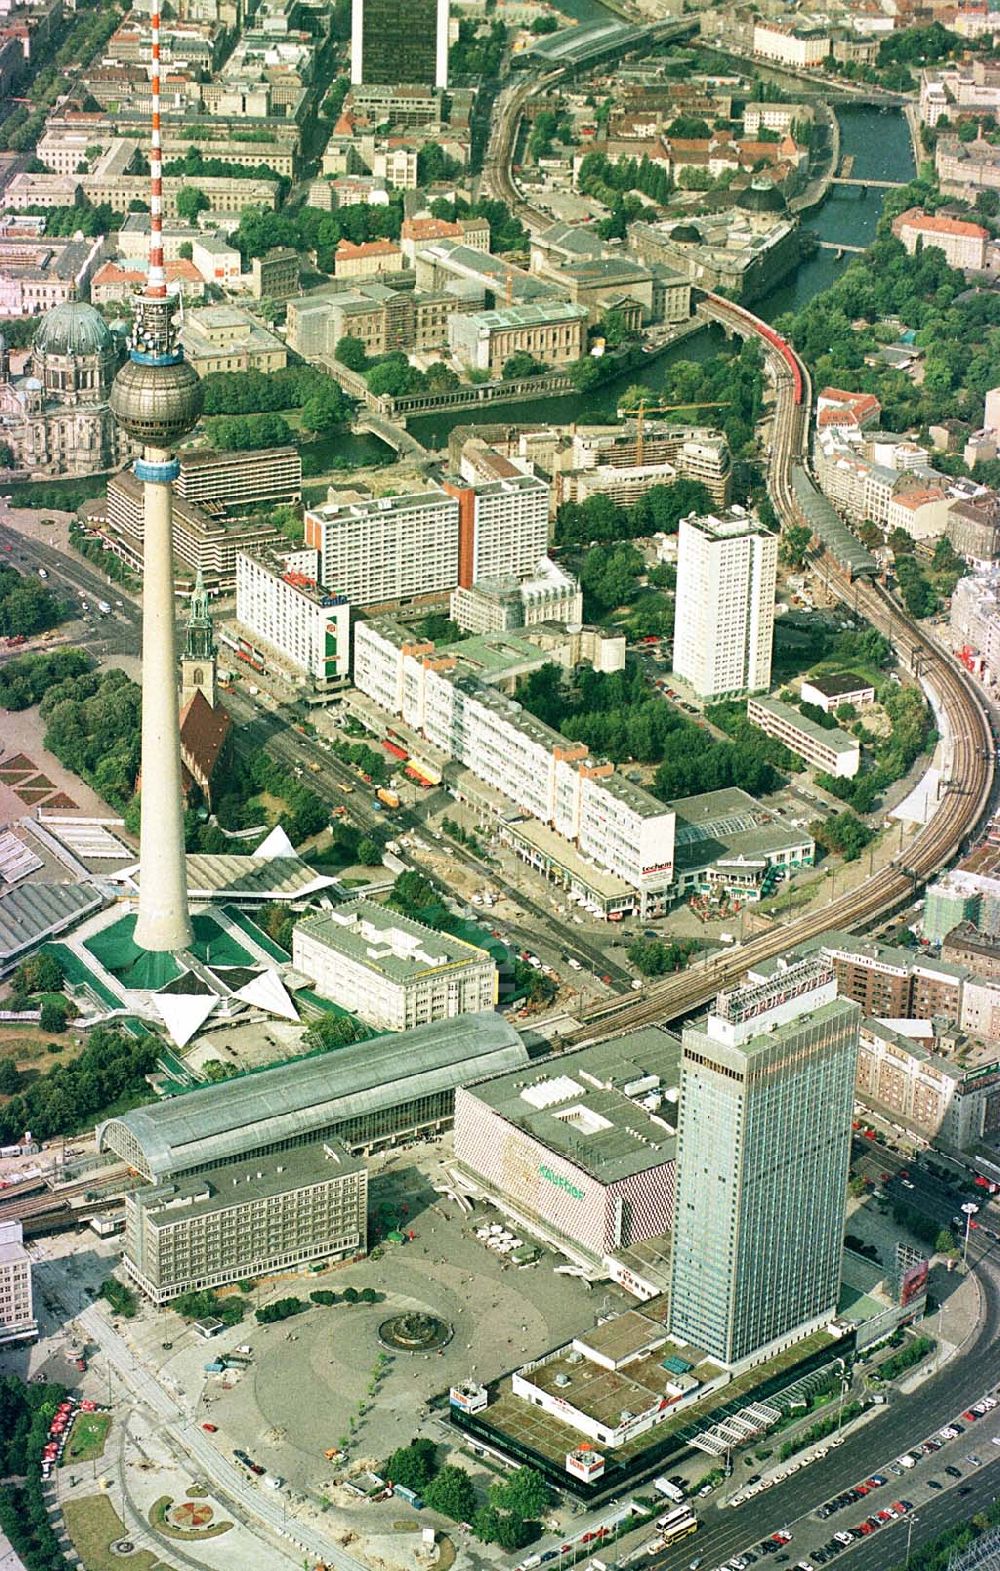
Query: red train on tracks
point(775, 339)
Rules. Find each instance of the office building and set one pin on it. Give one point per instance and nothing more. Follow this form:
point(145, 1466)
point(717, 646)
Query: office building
point(503, 527)
point(395, 41)
point(726, 570)
point(497, 605)
point(764, 1139)
point(832, 751)
point(387, 550)
point(964, 244)
point(581, 1154)
point(17, 1316)
point(959, 896)
point(448, 698)
point(245, 1219)
point(240, 482)
point(393, 972)
point(227, 338)
point(290, 620)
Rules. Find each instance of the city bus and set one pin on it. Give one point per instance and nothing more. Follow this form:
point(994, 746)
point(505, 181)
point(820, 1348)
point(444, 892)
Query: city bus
point(674, 1525)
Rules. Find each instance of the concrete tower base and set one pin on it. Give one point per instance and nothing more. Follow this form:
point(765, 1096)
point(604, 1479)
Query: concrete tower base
point(163, 921)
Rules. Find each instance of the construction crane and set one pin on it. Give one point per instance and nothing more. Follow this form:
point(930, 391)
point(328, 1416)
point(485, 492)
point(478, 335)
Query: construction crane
point(665, 409)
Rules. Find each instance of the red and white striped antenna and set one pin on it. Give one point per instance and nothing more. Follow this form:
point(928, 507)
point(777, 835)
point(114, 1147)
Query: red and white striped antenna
point(156, 285)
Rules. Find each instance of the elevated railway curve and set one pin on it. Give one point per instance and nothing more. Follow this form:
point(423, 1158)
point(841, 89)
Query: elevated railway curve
point(967, 792)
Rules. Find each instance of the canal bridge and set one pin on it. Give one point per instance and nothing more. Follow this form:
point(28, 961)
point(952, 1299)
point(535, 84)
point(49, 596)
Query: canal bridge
point(866, 183)
point(393, 434)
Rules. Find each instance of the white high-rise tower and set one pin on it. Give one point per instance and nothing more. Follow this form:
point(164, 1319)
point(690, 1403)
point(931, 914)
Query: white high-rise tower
point(157, 399)
point(726, 570)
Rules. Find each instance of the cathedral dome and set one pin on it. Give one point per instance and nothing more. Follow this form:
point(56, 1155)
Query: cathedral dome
point(73, 328)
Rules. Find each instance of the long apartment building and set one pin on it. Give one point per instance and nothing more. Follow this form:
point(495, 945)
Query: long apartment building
point(612, 822)
point(832, 751)
point(954, 1103)
point(897, 984)
point(389, 550)
point(393, 972)
point(282, 611)
point(726, 571)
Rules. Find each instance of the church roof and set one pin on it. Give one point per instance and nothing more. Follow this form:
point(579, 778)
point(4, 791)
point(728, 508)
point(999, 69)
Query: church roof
point(204, 731)
point(73, 328)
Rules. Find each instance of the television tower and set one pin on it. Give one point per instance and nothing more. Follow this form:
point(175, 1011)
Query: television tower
point(156, 399)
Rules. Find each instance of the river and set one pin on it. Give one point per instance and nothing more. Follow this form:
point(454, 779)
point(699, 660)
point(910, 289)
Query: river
point(880, 144)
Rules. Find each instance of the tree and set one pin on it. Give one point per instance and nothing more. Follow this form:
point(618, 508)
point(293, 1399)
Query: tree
point(350, 351)
point(452, 1493)
point(325, 410)
point(331, 1031)
point(945, 1244)
point(520, 364)
point(394, 376)
point(413, 1466)
point(615, 329)
point(190, 202)
point(524, 1492)
point(795, 542)
point(10, 1080)
point(369, 852)
point(53, 1015)
point(40, 973)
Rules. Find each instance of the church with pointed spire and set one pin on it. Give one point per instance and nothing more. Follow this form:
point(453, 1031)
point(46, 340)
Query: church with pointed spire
point(198, 662)
point(206, 729)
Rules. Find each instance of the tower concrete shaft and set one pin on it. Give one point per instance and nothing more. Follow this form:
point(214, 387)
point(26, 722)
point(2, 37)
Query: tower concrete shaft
point(163, 922)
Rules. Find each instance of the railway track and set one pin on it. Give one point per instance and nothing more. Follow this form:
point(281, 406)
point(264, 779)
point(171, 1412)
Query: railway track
point(16, 1207)
point(967, 792)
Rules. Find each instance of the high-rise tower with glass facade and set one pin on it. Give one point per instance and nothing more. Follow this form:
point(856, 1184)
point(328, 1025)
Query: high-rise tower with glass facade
point(764, 1141)
point(399, 41)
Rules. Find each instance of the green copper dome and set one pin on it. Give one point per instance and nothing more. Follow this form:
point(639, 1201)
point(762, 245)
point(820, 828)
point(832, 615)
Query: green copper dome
point(74, 328)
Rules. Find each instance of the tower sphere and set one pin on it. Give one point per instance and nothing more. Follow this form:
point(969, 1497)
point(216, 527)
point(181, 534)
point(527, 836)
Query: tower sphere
point(157, 404)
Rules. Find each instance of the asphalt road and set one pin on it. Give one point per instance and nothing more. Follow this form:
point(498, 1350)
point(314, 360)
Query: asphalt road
point(274, 732)
point(904, 1422)
point(70, 574)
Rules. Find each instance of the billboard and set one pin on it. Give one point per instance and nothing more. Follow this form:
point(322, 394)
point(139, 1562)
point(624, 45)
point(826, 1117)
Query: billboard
point(913, 1282)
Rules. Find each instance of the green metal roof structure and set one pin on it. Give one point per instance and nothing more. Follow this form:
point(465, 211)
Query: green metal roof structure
point(311, 1098)
point(824, 521)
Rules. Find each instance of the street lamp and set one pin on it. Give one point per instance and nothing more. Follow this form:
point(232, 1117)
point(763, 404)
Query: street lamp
point(970, 1209)
point(911, 1524)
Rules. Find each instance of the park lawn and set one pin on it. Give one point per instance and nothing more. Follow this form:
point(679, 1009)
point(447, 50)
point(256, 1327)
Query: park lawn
point(94, 1525)
point(88, 1438)
point(25, 1046)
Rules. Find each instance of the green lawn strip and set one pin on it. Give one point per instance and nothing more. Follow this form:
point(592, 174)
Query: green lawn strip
point(87, 1438)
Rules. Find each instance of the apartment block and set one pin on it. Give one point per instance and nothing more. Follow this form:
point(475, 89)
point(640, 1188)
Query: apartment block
point(503, 527)
point(833, 751)
point(617, 826)
point(726, 571)
point(893, 983)
point(790, 46)
point(763, 1155)
point(245, 1219)
point(17, 1315)
point(966, 168)
point(955, 1105)
point(387, 550)
point(965, 945)
point(497, 605)
point(974, 529)
point(288, 614)
point(393, 972)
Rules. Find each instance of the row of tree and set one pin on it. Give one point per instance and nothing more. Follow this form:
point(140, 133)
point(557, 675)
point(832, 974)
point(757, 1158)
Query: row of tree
point(599, 521)
point(27, 606)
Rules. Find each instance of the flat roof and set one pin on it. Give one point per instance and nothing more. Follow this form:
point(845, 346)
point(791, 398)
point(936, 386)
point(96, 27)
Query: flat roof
point(530, 315)
point(565, 855)
point(729, 823)
point(836, 740)
point(233, 1184)
point(385, 941)
point(585, 1106)
point(312, 1096)
point(834, 683)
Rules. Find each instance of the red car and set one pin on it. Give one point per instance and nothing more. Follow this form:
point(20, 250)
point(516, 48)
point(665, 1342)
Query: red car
point(210, 1428)
point(81, 1364)
point(902, 1506)
point(970, 1416)
point(865, 1528)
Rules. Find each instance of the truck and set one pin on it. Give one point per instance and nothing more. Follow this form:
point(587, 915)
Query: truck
point(104, 608)
point(386, 797)
point(664, 1487)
